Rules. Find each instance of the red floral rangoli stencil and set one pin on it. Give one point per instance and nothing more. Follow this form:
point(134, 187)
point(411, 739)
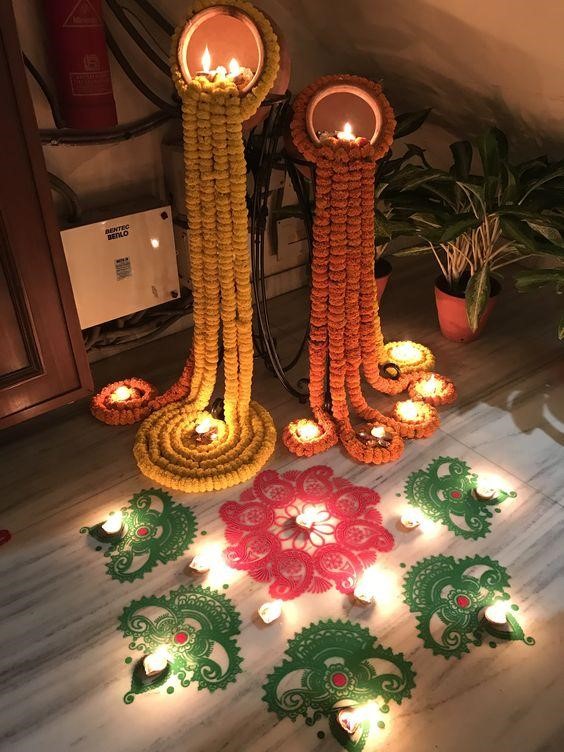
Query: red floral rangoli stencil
point(304, 531)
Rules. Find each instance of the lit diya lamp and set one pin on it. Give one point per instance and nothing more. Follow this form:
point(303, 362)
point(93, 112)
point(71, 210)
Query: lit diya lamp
point(345, 135)
point(434, 389)
point(240, 76)
point(487, 488)
point(205, 430)
point(496, 614)
point(121, 394)
point(411, 411)
point(307, 430)
point(375, 436)
point(270, 611)
point(433, 386)
point(409, 356)
point(155, 665)
point(307, 518)
point(411, 519)
point(350, 719)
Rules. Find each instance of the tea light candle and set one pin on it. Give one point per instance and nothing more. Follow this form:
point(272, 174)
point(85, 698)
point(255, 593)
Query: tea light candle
point(307, 518)
point(366, 587)
point(308, 431)
point(486, 488)
point(155, 663)
point(121, 394)
point(203, 562)
point(346, 134)
point(114, 524)
point(349, 720)
point(496, 614)
point(411, 519)
point(270, 611)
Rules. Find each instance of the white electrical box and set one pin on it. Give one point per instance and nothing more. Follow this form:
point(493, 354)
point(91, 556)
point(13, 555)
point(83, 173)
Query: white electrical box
point(121, 265)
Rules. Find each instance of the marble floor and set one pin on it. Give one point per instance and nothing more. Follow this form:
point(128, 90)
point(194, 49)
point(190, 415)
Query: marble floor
point(62, 658)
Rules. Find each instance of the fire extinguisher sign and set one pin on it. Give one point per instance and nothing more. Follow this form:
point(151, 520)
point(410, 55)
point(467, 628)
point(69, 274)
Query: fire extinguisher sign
point(83, 16)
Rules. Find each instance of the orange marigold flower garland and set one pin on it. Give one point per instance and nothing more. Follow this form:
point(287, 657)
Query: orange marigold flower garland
point(167, 447)
point(345, 325)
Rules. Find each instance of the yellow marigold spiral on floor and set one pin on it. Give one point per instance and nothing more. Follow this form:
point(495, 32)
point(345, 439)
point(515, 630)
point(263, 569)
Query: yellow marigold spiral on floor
point(165, 447)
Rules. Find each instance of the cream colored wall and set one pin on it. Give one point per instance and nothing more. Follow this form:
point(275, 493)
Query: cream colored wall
point(474, 61)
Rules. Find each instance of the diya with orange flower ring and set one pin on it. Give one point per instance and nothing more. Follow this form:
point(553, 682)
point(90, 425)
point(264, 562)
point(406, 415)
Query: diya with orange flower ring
point(214, 106)
point(345, 333)
point(433, 389)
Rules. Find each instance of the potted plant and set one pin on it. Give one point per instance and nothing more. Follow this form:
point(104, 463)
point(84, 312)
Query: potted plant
point(388, 226)
point(476, 224)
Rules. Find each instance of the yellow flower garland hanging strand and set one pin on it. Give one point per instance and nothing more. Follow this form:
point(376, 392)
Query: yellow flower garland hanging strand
point(167, 448)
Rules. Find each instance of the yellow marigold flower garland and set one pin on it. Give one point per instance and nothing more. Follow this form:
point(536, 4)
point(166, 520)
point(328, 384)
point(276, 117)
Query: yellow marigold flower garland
point(165, 448)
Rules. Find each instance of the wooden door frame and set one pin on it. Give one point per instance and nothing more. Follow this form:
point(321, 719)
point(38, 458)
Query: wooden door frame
point(8, 31)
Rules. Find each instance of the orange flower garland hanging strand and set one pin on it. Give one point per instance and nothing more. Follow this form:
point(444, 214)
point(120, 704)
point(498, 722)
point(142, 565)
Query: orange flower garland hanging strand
point(171, 447)
point(345, 324)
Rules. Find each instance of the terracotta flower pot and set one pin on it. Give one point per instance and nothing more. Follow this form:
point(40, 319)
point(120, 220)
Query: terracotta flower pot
point(382, 271)
point(451, 308)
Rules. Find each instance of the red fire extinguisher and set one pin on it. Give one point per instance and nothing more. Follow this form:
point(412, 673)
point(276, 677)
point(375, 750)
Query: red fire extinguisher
point(82, 70)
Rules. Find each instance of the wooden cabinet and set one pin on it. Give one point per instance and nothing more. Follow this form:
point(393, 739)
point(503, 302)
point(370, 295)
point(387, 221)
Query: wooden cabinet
point(43, 361)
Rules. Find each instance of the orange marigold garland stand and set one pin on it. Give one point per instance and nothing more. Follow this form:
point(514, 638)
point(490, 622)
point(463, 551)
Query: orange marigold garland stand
point(345, 325)
point(182, 445)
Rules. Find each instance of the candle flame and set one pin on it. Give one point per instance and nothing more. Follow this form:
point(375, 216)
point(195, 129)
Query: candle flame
point(234, 67)
point(206, 60)
point(347, 128)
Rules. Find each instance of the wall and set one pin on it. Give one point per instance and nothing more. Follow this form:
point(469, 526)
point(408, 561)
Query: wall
point(103, 174)
point(494, 61)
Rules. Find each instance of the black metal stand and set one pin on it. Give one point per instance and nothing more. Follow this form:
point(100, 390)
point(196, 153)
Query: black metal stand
point(263, 155)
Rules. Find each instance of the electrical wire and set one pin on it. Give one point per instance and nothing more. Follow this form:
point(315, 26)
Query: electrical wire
point(71, 199)
point(146, 30)
point(156, 16)
point(136, 80)
point(55, 112)
point(138, 38)
point(76, 137)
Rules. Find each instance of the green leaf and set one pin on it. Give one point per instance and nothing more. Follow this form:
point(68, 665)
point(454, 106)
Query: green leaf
point(548, 232)
point(552, 172)
point(461, 224)
point(514, 229)
point(535, 278)
point(493, 149)
point(477, 296)
point(409, 122)
point(462, 154)
point(415, 250)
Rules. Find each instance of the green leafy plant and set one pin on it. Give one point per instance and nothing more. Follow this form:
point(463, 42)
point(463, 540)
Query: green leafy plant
point(476, 224)
point(535, 278)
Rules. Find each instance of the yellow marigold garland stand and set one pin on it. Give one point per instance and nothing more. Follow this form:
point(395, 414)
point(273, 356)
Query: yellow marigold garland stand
point(346, 337)
point(167, 447)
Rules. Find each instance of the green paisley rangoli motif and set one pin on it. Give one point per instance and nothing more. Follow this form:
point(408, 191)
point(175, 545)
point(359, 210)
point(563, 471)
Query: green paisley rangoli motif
point(336, 664)
point(196, 626)
point(156, 529)
point(444, 492)
point(449, 596)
